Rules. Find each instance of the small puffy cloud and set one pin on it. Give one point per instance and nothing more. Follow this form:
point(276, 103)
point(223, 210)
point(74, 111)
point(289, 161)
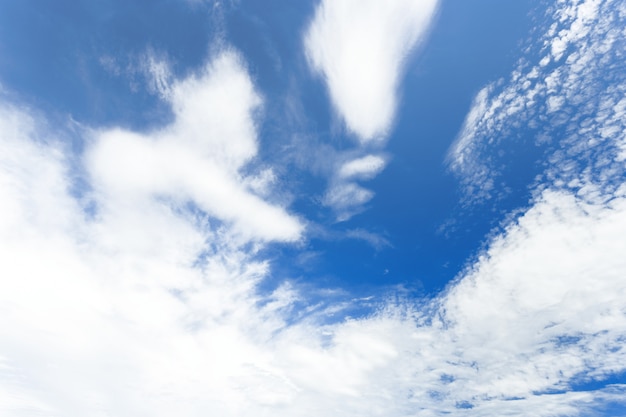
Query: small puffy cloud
point(344, 195)
point(145, 308)
point(347, 198)
point(366, 167)
point(359, 48)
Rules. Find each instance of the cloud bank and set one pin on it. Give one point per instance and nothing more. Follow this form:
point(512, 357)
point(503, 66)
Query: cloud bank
point(161, 316)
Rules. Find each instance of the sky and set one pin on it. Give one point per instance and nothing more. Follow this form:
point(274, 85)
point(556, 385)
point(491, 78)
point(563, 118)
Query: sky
point(313, 208)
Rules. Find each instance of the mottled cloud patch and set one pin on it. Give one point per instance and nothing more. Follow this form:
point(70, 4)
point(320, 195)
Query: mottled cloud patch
point(568, 92)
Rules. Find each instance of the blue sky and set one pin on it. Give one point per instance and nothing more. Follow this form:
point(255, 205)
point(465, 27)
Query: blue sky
point(339, 207)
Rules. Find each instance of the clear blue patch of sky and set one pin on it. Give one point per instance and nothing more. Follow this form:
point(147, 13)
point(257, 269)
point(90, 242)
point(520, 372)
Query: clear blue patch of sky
point(416, 195)
point(51, 53)
point(471, 44)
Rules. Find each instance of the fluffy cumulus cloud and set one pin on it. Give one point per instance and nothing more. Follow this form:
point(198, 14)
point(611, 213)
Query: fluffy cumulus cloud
point(136, 293)
point(359, 47)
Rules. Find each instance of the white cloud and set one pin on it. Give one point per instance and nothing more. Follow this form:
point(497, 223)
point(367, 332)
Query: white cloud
point(344, 195)
point(363, 168)
point(198, 158)
point(570, 93)
point(158, 72)
point(145, 296)
point(377, 241)
point(544, 305)
point(148, 305)
point(347, 199)
point(359, 47)
point(160, 315)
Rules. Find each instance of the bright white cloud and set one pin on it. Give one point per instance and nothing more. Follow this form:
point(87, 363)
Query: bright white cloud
point(148, 305)
point(198, 158)
point(145, 304)
point(359, 47)
point(364, 168)
point(571, 92)
point(159, 315)
point(543, 307)
point(344, 195)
